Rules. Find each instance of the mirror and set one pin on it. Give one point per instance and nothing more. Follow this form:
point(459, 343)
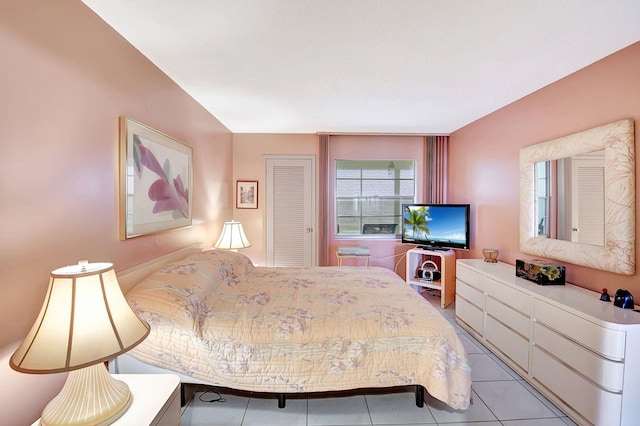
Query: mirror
point(617, 254)
point(570, 198)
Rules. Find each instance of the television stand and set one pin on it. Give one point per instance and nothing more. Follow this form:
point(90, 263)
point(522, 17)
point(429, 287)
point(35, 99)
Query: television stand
point(432, 248)
point(446, 261)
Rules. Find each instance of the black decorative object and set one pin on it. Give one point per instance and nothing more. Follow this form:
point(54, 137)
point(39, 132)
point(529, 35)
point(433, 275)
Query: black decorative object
point(623, 299)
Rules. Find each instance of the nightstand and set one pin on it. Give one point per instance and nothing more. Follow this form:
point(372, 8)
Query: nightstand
point(155, 400)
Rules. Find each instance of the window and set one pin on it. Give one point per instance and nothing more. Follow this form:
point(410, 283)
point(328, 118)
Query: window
point(543, 197)
point(370, 194)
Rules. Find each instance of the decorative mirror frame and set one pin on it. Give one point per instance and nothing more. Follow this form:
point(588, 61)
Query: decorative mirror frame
point(618, 253)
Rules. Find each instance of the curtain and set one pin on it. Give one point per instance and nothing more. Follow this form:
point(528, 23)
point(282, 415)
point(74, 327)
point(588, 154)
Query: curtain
point(435, 151)
point(323, 200)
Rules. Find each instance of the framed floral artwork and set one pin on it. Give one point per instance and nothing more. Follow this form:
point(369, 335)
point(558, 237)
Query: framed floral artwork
point(156, 180)
point(247, 194)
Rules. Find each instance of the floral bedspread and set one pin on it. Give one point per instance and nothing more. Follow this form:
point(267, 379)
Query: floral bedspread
point(216, 317)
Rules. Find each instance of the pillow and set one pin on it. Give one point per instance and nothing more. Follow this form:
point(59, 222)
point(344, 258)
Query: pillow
point(240, 264)
point(181, 291)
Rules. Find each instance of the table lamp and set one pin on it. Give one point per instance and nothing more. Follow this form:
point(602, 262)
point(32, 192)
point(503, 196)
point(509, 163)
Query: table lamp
point(84, 321)
point(232, 237)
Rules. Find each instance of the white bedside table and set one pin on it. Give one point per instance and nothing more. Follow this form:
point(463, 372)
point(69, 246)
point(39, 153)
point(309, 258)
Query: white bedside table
point(155, 400)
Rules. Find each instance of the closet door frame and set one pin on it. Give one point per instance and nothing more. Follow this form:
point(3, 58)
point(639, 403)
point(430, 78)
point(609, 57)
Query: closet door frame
point(308, 231)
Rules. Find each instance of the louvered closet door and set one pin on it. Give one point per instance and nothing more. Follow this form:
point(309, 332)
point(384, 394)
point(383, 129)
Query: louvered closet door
point(290, 211)
point(588, 201)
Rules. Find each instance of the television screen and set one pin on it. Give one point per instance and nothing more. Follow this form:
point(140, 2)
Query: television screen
point(436, 226)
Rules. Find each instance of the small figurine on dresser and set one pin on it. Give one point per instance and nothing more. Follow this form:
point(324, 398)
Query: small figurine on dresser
point(623, 299)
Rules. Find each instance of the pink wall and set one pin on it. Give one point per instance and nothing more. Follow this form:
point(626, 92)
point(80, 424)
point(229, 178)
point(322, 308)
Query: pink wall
point(484, 156)
point(65, 80)
point(249, 164)
point(249, 152)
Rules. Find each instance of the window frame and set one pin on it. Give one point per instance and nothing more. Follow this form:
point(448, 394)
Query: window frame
point(546, 198)
point(399, 199)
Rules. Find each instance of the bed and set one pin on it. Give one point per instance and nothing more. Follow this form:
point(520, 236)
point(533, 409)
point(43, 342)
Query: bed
point(217, 319)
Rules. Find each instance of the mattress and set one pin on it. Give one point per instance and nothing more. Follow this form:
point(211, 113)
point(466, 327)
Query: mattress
point(216, 317)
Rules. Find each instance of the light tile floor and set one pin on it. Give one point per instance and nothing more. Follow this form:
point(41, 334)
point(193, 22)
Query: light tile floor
point(500, 397)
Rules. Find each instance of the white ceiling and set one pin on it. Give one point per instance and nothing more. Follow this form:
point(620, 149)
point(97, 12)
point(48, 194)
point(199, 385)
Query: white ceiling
point(378, 66)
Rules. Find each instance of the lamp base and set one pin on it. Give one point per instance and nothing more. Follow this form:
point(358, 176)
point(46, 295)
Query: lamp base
point(90, 396)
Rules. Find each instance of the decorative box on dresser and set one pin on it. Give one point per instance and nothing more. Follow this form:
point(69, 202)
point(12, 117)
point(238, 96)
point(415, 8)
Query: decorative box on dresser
point(583, 354)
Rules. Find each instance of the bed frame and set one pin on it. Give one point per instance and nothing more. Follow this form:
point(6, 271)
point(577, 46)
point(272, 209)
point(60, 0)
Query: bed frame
point(126, 364)
point(129, 277)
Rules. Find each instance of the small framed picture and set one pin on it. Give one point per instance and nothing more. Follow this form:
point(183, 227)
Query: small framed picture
point(247, 194)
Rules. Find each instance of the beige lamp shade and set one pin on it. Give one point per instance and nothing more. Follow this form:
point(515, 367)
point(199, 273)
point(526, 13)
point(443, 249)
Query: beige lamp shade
point(232, 237)
point(84, 321)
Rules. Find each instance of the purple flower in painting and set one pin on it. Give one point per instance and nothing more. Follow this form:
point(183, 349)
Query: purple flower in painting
point(169, 194)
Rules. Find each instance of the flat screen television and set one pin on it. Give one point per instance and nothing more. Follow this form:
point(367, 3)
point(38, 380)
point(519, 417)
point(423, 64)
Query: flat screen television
point(436, 226)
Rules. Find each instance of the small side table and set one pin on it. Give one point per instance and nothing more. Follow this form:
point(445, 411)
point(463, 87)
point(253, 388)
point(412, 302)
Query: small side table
point(353, 252)
point(155, 400)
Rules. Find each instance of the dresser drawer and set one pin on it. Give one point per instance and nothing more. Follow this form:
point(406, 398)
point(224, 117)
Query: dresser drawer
point(515, 320)
point(510, 343)
point(597, 405)
point(605, 341)
point(518, 300)
point(469, 314)
point(472, 278)
point(470, 293)
point(602, 371)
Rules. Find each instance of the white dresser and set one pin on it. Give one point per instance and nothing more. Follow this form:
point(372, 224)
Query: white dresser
point(581, 353)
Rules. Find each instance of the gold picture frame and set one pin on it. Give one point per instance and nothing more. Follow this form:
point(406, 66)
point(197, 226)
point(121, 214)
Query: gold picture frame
point(156, 181)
